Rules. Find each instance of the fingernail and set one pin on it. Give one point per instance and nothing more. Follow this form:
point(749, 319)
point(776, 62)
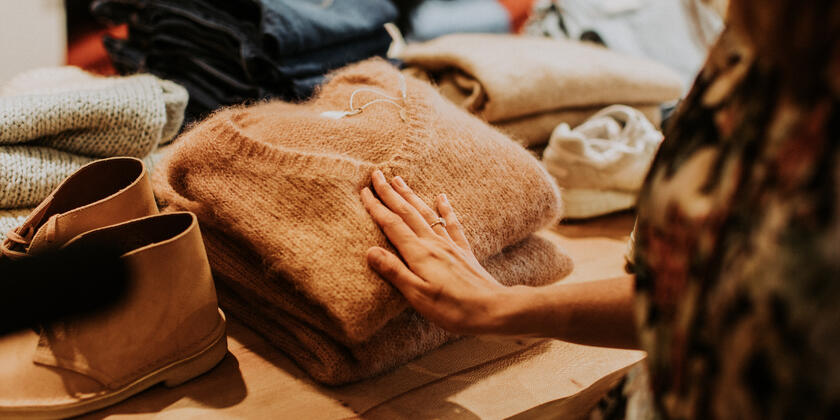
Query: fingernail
point(445, 200)
point(376, 254)
point(378, 174)
point(364, 191)
point(400, 181)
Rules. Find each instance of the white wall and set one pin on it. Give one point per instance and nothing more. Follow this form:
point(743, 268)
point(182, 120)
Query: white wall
point(33, 34)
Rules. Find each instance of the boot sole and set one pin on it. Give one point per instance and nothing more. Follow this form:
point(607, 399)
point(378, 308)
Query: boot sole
point(171, 375)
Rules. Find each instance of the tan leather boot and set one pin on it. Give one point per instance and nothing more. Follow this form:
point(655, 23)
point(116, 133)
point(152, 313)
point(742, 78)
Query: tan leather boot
point(167, 329)
point(101, 193)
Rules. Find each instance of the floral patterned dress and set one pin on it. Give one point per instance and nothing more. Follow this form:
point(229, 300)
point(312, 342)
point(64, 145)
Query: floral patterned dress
point(737, 254)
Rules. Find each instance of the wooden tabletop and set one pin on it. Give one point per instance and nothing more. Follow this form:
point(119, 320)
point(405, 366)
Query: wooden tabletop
point(471, 378)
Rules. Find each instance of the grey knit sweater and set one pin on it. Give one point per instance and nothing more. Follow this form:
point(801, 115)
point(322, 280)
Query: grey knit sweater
point(54, 120)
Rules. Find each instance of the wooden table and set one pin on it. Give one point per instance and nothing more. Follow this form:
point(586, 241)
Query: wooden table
point(471, 378)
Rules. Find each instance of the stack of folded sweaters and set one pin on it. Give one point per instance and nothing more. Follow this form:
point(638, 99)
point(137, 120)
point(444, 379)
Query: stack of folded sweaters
point(527, 86)
point(276, 187)
point(55, 120)
point(675, 33)
point(226, 52)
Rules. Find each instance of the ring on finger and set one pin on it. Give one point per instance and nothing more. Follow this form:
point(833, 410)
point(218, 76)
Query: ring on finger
point(439, 221)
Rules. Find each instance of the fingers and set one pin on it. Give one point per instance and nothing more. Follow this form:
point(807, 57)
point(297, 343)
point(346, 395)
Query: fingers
point(397, 204)
point(425, 211)
point(391, 268)
point(392, 225)
point(453, 226)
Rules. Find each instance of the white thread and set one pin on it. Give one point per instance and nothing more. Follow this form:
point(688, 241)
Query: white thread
point(387, 99)
point(371, 90)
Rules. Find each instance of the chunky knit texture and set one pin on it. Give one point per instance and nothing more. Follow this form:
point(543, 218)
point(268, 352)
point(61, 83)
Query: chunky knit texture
point(54, 120)
point(10, 219)
point(283, 181)
point(502, 78)
point(47, 161)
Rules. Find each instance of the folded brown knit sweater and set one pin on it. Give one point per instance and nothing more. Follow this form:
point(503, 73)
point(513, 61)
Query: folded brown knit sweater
point(282, 181)
point(535, 261)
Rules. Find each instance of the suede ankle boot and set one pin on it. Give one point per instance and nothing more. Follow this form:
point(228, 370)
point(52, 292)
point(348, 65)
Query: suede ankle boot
point(101, 193)
point(168, 328)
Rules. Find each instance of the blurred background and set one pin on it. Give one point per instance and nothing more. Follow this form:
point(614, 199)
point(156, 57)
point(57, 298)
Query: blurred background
point(665, 30)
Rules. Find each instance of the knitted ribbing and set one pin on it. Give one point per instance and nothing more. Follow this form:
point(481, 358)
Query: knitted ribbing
point(284, 181)
point(54, 120)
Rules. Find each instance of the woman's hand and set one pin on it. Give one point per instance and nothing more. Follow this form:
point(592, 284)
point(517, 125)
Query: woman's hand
point(440, 277)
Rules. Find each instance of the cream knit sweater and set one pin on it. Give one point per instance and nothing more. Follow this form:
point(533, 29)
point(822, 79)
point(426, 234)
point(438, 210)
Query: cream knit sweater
point(519, 83)
point(500, 77)
point(54, 120)
point(280, 182)
point(12, 218)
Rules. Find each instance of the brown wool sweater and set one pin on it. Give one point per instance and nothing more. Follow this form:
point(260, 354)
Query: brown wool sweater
point(283, 181)
point(535, 261)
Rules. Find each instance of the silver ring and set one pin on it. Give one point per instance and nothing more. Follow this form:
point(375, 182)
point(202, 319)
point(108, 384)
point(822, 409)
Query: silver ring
point(439, 221)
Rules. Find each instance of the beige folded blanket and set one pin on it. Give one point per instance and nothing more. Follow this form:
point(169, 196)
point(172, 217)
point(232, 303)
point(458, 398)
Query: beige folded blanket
point(283, 180)
point(500, 77)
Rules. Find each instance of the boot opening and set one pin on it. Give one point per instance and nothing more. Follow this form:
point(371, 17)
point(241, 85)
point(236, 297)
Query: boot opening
point(95, 182)
point(127, 237)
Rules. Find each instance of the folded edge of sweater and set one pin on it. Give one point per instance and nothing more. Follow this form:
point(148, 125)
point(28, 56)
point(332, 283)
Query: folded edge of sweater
point(536, 261)
point(54, 120)
point(501, 77)
point(535, 130)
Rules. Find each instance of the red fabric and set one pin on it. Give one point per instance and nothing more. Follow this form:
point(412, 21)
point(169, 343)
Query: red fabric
point(86, 50)
point(519, 11)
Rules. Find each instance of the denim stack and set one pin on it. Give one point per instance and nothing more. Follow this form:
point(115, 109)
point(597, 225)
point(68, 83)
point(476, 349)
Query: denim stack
point(229, 51)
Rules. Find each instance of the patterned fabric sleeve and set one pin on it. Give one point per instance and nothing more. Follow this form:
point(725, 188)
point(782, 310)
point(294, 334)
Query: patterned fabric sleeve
point(737, 253)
